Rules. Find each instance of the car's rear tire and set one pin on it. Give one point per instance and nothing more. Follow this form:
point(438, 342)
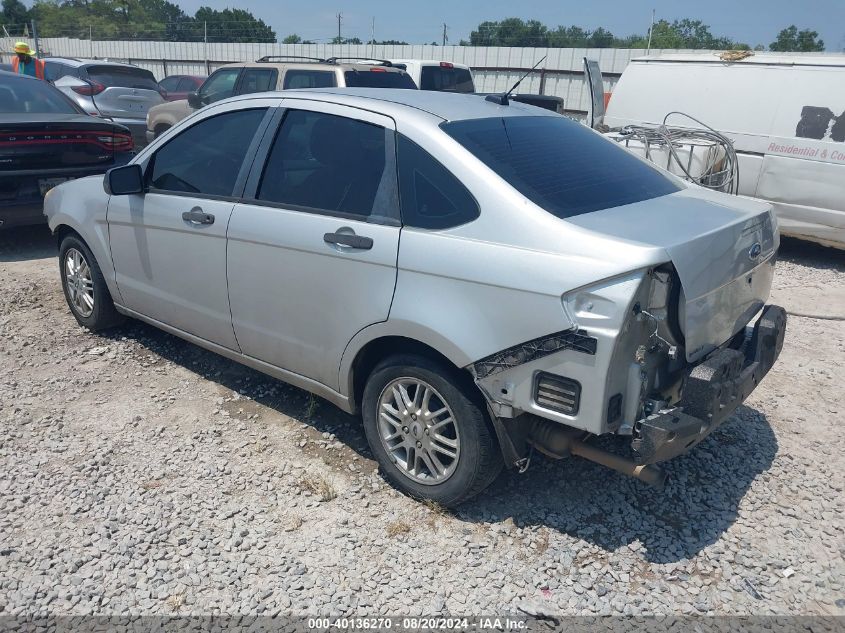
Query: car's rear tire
point(407, 406)
point(85, 288)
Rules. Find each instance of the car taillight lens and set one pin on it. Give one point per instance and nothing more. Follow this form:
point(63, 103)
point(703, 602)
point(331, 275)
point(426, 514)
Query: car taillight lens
point(90, 89)
point(447, 65)
point(118, 142)
point(377, 70)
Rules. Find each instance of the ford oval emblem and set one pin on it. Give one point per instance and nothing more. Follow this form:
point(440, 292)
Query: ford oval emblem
point(754, 251)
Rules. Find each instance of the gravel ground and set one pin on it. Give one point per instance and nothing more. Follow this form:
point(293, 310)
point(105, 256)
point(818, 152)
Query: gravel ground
point(143, 475)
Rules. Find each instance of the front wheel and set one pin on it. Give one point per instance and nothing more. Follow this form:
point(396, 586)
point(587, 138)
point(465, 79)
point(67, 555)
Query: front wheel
point(84, 286)
point(429, 435)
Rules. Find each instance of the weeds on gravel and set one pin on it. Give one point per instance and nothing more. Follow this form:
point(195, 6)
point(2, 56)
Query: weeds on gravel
point(543, 541)
point(311, 407)
point(294, 524)
point(436, 511)
point(319, 486)
point(176, 601)
point(397, 527)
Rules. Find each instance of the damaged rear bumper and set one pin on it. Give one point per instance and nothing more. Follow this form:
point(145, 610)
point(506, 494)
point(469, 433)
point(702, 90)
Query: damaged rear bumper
point(712, 391)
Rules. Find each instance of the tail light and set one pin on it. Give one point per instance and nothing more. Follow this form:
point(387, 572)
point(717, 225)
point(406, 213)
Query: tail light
point(377, 70)
point(90, 89)
point(447, 65)
point(117, 141)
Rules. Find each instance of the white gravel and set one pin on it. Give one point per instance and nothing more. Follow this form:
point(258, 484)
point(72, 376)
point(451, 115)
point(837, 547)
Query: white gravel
point(143, 475)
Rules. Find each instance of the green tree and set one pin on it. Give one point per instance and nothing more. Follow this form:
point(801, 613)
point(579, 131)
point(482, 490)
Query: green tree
point(293, 38)
point(791, 39)
point(15, 14)
point(234, 25)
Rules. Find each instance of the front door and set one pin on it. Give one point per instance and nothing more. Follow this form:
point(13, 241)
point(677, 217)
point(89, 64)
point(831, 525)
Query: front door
point(312, 252)
point(169, 244)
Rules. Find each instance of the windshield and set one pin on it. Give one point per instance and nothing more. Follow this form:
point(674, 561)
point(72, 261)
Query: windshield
point(123, 77)
point(559, 164)
point(446, 79)
point(378, 78)
point(30, 96)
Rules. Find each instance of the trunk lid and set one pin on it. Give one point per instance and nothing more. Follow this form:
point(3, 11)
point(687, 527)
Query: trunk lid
point(29, 142)
point(128, 92)
point(722, 248)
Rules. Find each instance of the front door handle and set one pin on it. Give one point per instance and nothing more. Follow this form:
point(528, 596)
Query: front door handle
point(198, 216)
point(349, 239)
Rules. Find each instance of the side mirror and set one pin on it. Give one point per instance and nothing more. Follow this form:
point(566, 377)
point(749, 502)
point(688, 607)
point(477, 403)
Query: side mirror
point(194, 100)
point(124, 180)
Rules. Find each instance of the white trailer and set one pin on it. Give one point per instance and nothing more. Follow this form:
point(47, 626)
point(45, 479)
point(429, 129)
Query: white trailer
point(785, 115)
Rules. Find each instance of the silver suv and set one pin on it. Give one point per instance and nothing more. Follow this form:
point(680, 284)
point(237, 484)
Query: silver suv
point(279, 72)
point(120, 92)
point(478, 279)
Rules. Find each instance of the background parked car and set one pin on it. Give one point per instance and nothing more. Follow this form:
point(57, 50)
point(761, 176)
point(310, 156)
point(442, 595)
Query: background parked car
point(46, 139)
point(279, 73)
point(176, 87)
point(120, 92)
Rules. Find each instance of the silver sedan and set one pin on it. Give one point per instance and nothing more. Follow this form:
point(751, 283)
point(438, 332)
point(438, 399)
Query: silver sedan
point(477, 278)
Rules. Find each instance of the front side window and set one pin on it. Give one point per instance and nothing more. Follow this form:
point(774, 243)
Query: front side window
point(309, 79)
point(432, 197)
point(169, 83)
point(333, 164)
point(205, 159)
point(560, 165)
point(258, 80)
point(221, 85)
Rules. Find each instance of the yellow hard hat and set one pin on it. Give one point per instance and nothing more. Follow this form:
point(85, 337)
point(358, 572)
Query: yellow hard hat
point(23, 47)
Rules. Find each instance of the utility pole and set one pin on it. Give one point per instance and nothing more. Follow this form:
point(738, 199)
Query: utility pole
point(445, 39)
point(91, 40)
point(339, 19)
point(35, 39)
point(373, 37)
point(205, 46)
point(650, 31)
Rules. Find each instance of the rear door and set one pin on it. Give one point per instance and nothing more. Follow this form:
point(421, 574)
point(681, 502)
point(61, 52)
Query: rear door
point(313, 247)
point(169, 244)
point(128, 91)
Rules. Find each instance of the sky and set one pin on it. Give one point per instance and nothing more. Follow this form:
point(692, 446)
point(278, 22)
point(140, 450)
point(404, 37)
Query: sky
point(751, 21)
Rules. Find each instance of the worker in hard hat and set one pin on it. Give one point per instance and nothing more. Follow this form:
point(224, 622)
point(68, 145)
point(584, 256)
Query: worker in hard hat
point(25, 62)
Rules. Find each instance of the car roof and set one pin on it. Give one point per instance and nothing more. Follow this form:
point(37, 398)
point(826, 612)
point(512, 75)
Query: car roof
point(755, 58)
point(311, 65)
point(395, 102)
point(8, 75)
point(77, 62)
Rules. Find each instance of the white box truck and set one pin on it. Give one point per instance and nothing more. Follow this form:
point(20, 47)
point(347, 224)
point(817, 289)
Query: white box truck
point(784, 113)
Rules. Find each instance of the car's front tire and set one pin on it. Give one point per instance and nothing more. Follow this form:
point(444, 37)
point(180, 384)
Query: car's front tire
point(429, 434)
point(85, 288)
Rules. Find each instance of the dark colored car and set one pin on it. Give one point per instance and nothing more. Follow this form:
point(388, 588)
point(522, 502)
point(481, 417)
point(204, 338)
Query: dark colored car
point(176, 87)
point(45, 140)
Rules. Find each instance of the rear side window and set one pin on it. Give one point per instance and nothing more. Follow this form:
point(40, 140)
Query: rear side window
point(446, 79)
point(559, 164)
point(53, 71)
point(432, 198)
point(188, 84)
point(123, 77)
point(258, 80)
point(309, 79)
point(205, 159)
point(332, 164)
point(378, 78)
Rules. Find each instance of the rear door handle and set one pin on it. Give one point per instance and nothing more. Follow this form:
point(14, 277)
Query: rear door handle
point(198, 216)
point(349, 239)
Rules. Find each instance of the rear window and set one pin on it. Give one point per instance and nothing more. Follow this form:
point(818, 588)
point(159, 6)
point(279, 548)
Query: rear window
point(559, 164)
point(30, 96)
point(378, 78)
point(446, 79)
point(123, 77)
